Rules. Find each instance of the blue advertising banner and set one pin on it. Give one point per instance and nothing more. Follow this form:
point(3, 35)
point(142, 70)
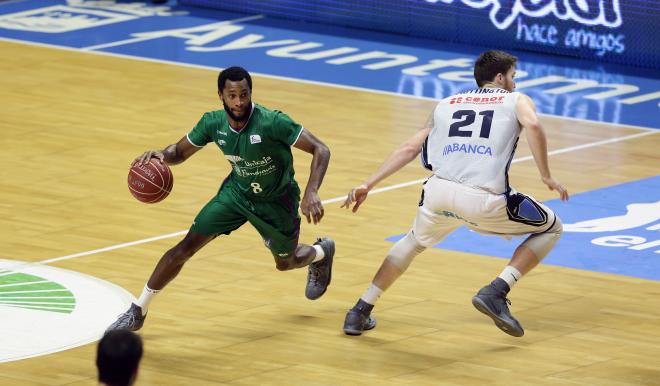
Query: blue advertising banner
point(331, 55)
point(614, 230)
point(620, 31)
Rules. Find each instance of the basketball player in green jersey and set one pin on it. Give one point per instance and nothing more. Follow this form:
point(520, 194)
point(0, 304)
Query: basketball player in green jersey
point(260, 189)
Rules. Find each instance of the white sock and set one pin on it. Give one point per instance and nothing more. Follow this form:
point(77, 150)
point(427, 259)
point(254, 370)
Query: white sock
point(319, 253)
point(372, 294)
point(510, 275)
point(145, 298)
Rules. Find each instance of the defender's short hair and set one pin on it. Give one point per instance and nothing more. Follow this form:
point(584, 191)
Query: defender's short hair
point(491, 63)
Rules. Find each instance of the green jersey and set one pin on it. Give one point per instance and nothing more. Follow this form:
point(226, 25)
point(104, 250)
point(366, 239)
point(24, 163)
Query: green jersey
point(260, 154)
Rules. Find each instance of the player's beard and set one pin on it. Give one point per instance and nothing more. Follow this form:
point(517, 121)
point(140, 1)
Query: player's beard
point(509, 84)
point(243, 117)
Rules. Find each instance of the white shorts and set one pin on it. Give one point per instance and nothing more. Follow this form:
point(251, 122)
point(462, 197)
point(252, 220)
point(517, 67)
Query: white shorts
point(446, 205)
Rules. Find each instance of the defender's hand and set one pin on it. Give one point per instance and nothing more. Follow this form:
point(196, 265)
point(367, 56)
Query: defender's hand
point(558, 187)
point(357, 195)
point(312, 207)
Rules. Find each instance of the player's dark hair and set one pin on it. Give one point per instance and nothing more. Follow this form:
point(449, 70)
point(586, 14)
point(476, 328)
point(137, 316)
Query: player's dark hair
point(235, 74)
point(491, 63)
point(118, 356)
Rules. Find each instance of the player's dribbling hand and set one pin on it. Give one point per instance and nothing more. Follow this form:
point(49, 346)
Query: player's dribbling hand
point(357, 195)
point(556, 186)
point(147, 155)
point(312, 207)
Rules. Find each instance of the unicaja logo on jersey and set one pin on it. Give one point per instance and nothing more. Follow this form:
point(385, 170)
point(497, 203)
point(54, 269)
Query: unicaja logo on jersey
point(233, 158)
point(503, 13)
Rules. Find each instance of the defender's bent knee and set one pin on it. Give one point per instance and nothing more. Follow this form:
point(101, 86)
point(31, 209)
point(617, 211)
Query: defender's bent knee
point(404, 251)
point(542, 243)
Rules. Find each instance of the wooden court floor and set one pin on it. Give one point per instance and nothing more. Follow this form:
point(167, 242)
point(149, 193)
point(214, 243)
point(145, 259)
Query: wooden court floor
point(72, 122)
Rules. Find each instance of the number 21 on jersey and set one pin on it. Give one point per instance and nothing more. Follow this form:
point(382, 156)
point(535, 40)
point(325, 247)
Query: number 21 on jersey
point(465, 118)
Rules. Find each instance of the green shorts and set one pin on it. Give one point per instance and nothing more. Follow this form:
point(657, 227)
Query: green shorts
point(277, 221)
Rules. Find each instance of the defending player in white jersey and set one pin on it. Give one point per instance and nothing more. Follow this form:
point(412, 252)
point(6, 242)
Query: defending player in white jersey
point(468, 142)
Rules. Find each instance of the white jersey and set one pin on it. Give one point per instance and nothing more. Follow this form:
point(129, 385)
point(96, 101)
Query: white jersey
point(473, 139)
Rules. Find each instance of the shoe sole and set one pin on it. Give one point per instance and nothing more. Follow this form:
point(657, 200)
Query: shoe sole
point(331, 258)
point(499, 322)
point(123, 329)
point(353, 332)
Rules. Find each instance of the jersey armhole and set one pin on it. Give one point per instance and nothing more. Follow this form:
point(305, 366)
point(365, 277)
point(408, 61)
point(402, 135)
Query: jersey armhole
point(516, 100)
point(191, 142)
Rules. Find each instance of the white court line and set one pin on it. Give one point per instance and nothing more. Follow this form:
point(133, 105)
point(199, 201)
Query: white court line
point(342, 198)
point(136, 40)
point(304, 81)
point(113, 247)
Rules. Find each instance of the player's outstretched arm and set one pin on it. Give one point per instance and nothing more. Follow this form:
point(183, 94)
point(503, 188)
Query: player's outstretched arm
point(526, 111)
point(405, 153)
point(311, 205)
point(172, 155)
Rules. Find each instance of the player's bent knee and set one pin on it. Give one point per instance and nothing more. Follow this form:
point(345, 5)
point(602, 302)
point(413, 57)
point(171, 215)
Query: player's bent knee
point(404, 251)
point(542, 243)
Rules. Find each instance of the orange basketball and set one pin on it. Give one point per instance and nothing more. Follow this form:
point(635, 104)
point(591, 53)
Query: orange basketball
point(150, 182)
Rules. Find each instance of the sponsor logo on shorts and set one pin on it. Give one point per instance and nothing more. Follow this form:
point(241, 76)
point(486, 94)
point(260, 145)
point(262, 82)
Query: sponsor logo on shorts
point(449, 214)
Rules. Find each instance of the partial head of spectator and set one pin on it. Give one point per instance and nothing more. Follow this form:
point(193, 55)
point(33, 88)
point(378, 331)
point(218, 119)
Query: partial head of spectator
point(118, 358)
